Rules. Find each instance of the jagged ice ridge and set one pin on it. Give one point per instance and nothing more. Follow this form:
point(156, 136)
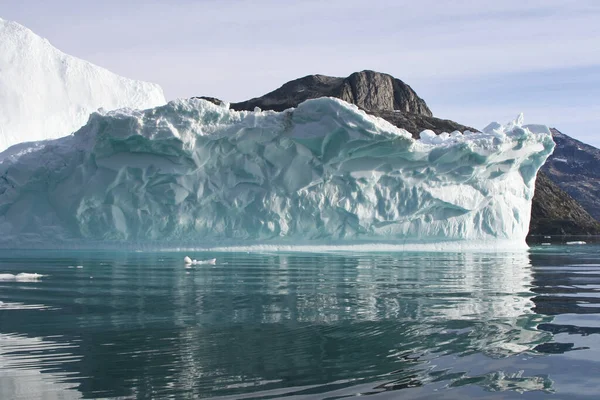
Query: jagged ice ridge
point(195, 174)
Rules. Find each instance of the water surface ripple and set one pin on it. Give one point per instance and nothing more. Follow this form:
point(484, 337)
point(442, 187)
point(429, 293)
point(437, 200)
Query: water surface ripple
point(301, 325)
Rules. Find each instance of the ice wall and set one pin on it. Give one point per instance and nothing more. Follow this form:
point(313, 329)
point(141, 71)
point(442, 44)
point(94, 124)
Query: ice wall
point(47, 94)
point(192, 173)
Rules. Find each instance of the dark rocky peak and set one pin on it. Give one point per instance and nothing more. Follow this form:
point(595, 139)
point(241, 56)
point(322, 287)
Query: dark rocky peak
point(213, 100)
point(575, 167)
point(554, 212)
point(369, 90)
point(374, 91)
point(572, 156)
point(292, 93)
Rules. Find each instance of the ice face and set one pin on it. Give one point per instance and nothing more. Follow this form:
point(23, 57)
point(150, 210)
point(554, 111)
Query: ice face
point(47, 94)
point(192, 173)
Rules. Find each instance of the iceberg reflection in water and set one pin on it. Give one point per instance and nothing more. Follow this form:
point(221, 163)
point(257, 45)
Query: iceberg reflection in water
point(311, 325)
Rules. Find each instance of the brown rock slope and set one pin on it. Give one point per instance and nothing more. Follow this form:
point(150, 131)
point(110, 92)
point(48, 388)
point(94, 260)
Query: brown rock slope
point(554, 212)
point(575, 167)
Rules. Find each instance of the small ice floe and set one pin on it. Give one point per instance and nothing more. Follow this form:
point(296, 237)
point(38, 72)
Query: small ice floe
point(189, 262)
point(575, 242)
point(79, 267)
point(22, 277)
point(546, 244)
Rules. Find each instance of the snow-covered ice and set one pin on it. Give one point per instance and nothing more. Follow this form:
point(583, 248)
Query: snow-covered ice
point(197, 175)
point(45, 93)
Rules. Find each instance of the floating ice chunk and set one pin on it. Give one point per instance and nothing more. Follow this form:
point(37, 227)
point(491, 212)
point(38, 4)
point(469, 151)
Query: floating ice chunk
point(576, 242)
point(546, 244)
point(189, 262)
point(211, 261)
point(28, 277)
point(22, 277)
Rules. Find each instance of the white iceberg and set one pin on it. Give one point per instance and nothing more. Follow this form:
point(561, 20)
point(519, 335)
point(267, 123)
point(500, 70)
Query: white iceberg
point(46, 94)
point(192, 173)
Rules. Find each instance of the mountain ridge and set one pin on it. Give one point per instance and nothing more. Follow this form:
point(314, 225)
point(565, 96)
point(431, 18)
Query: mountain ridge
point(377, 93)
point(575, 168)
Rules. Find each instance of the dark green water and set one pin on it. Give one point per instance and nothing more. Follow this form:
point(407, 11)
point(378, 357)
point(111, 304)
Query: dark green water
point(415, 325)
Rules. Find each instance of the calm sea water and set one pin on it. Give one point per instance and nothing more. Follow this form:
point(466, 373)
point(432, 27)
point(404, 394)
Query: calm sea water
point(412, 325)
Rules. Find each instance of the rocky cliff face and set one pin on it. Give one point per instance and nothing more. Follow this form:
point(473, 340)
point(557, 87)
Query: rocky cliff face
point(374, 91)
point(553, 210)
point(371, 91)
point(378, 94)
point(575, 167)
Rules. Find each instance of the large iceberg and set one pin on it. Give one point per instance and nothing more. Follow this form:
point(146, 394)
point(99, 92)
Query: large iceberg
point(195, 174)
point(45, 93)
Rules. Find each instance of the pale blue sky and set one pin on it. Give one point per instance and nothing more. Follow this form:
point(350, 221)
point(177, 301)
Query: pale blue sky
point(472, 61)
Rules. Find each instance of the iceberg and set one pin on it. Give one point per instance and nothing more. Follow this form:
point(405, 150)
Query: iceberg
point(195, 174)
point(46, 94)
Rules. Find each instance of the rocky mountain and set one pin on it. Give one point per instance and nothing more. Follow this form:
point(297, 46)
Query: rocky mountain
point(575, 167)
point(369, 90)
point(378, 94)
point(554, 211)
